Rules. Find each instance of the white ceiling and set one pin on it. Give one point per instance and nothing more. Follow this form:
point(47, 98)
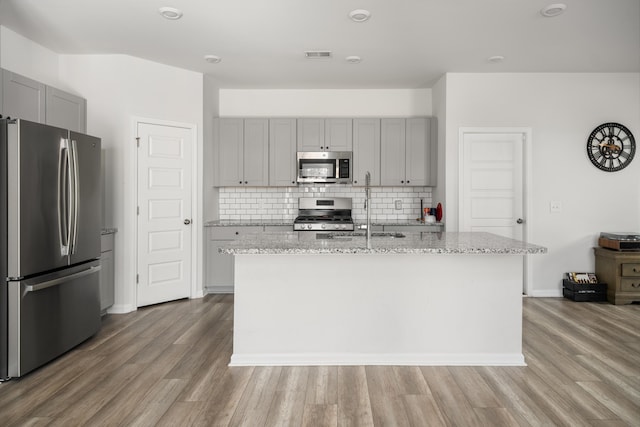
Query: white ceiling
point(405, 44)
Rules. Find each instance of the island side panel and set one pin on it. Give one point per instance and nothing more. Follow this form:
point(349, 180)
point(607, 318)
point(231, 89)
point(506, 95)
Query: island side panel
point(382, 309)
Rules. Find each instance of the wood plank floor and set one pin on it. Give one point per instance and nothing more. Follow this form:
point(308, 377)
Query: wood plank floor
point(167, 365)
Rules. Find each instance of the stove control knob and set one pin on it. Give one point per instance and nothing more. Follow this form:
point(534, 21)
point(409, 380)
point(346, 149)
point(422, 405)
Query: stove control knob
point(323, 226)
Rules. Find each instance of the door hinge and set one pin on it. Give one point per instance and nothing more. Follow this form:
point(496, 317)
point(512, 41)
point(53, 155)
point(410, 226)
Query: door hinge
point(137, 278)
point(137, 210)
point(138, 141)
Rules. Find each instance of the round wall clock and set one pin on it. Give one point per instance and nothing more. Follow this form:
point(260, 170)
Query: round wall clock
point(611, 147)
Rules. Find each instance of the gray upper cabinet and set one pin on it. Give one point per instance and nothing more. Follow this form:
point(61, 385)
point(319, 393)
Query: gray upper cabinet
point(408, 152)
point(242, 152)
point(256, 152)
point(392, 159)
point(366, 151)
point(22, 98)
point(338, 134)
point(325, 134)
point(66, 110)
point(282, 152)
point(311, 135)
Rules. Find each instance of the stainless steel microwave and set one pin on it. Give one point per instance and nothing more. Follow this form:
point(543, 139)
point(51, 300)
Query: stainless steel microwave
point(329, 167)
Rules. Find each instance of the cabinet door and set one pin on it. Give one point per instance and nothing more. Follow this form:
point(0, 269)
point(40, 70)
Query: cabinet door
point(256, 152)
point(65, 110)
point(392, 156)
point(22, 98)
point(311, 135)
point(366, 150)
point(338, 134)
point(418, 154)
point(107, 283)
point(229, 150)
point(282, 152)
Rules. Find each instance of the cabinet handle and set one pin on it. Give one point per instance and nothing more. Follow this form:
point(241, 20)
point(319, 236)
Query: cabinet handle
point(246, 182)
point(355, 182)
point(401, 182)
point(635, 270)
point(237, 233)
point(635, 285)
point(408, 181)
point(240, 182)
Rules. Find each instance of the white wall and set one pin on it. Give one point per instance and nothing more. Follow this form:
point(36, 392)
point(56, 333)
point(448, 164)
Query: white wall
point(22, 56)
point(119, 88)
point(327, 103)
point(562, 110)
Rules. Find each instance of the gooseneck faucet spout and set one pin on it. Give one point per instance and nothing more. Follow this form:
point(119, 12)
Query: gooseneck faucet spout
point(367, 206)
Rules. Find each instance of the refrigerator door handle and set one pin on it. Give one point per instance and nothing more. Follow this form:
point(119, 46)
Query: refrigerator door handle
point(64, 228)
point(54, 282)
point(75, 192)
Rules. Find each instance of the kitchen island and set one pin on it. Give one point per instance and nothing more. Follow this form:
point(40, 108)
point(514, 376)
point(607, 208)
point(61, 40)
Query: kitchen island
point(423, 299)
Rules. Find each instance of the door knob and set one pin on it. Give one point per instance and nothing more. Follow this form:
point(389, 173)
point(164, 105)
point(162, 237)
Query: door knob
point(520, 221)
point(187, 221)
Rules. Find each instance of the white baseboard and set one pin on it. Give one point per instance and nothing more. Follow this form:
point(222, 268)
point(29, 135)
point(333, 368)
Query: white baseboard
point(218, 289)
point(351, 359)
point(121, 309)
point(546, 293)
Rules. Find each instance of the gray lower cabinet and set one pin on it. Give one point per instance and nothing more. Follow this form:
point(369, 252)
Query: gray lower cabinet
point(219, 276)
point(107, 272)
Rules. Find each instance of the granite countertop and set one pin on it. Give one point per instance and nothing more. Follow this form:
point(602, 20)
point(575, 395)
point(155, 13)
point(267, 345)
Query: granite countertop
point(248, 222)
point(289, 223)
point(108, 230)
point(347, 243)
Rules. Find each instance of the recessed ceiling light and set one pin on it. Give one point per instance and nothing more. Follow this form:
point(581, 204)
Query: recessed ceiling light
point(359, 15)
point(170, 13)
point(353, 59)
point(553, 10)
point(496, 59)
point(212, 59)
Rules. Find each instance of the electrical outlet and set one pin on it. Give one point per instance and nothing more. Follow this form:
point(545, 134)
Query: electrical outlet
point(398, 205)
point(555, 206)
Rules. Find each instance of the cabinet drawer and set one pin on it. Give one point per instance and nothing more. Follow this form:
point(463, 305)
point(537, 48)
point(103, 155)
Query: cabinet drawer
point(232, 233)
point(631, 269)
point(630, 285)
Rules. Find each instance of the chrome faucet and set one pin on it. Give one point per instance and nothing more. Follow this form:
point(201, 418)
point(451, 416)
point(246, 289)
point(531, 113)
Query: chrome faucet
point(367, 206)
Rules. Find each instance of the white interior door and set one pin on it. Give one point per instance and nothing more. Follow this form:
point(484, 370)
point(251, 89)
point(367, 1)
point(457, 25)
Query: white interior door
point(164, 213)
point(492, 180)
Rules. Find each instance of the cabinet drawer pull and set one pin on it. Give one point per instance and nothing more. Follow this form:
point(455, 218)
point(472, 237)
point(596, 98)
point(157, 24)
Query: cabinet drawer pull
point(635, 285)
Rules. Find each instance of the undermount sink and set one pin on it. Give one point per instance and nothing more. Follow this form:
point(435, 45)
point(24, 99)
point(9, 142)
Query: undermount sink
point(350, 234)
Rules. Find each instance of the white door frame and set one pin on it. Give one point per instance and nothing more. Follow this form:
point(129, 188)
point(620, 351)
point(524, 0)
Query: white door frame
point(132, 192)
point(527, 193)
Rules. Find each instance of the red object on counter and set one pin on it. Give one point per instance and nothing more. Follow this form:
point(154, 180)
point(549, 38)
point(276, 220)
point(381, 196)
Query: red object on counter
point(439, 212)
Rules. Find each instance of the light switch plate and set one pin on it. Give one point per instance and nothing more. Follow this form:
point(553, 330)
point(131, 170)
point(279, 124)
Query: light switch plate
point(555, 206)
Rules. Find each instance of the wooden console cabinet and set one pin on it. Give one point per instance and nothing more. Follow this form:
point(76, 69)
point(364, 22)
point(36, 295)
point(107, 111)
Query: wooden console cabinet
point(621, 272)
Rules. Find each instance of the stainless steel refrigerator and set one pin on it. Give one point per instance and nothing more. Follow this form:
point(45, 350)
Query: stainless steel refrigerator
point(50, 219)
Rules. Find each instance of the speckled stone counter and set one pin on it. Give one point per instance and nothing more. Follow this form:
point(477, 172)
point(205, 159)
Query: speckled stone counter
point(248, 223)
point(425, 299)
point(381, 243)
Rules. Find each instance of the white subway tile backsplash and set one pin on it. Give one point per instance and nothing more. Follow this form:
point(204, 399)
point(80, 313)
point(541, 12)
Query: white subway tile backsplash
point(263, 203)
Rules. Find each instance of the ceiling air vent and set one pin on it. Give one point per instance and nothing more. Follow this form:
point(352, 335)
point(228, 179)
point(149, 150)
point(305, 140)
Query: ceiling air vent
point(315, 54)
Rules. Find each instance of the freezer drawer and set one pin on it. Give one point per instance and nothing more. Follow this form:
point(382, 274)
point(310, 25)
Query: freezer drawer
point(50, 314)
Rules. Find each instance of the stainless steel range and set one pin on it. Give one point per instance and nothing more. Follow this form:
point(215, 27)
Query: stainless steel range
point(322, 214)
